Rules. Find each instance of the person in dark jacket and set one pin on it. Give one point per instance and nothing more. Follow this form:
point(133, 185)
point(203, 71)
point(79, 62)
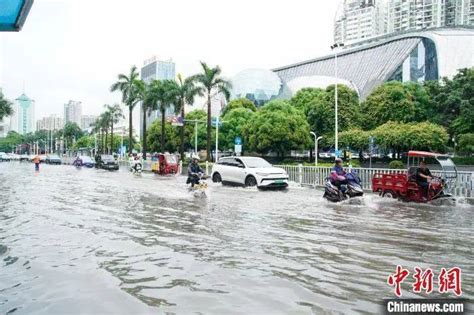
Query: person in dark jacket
point(193, 172)
point(423, 175)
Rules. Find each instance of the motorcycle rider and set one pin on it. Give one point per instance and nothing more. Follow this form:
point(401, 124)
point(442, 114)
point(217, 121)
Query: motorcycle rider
point(423, 175)
point(193, 172)
point(338, 175)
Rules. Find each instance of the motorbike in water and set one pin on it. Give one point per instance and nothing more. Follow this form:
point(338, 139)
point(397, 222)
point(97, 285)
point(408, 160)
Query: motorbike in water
point(198, 189)
point(350, 189)
point(136, 167)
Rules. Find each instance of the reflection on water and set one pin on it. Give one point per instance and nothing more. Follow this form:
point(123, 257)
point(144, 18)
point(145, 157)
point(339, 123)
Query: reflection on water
point(93, 241)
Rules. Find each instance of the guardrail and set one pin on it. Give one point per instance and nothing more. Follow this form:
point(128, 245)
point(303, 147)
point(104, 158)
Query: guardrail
point(316, 176)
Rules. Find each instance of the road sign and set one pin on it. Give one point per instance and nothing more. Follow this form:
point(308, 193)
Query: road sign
point(238, 148)
point(214, 120)
point(337, 153)
point(238, 140)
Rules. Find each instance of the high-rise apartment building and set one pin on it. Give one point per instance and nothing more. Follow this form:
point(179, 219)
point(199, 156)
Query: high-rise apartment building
point(358, 20)
point(87, 121)
point(73, 112)
point(23, 118)
point(52, 122)
point(154, 69)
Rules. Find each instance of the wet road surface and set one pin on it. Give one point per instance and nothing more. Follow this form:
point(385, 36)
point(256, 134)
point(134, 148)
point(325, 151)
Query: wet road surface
point(92, 241)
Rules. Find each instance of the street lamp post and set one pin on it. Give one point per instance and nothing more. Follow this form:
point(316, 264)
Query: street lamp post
point(316, 140)
point(336, 139)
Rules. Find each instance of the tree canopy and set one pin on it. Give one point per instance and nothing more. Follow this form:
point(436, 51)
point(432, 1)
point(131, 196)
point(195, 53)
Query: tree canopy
point(278, 127)
point(239, 103)
point(235, 121)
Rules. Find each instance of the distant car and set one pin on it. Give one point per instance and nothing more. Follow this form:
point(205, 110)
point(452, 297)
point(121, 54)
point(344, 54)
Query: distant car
point(4, 157)
point(249, 171)
point(52, 159)
point(24, 157)
point(86, 161)
point(106, 162)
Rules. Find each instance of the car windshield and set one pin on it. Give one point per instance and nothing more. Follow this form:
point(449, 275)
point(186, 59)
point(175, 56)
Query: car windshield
point(170, 159)
point(85, 159)
point(54, 157)
point(256, 163)
point(107, 158)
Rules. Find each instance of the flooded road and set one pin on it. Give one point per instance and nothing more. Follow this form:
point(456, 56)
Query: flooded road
point(91, 241)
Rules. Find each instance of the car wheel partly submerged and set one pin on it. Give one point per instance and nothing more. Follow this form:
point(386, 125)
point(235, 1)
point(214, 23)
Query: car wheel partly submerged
point(389, 194)
point(216, 178)
point(250, 181)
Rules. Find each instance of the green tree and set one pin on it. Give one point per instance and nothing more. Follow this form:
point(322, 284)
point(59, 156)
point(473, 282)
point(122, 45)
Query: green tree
point(466, 144)
point(115, 114)
point(72, 131)
point(209, 82)
point(129, 87)
point(321, 111)
point(149, 96)
point(170, 135)
point(186, 90)
point(84, 142)
point(189, 131)
point(235, 120)
point(10, 142)
point(396, 101)
point(239, 103)
point(398, 137)
point(5, 106)
point(453, 101)
point(355, 139)
point(277, 127)
point(302, 99)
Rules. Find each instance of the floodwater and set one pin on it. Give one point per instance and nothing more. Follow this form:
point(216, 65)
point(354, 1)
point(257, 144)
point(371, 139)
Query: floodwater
point(92, 241)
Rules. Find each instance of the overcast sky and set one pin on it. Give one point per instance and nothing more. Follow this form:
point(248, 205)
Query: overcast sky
point(74, 49)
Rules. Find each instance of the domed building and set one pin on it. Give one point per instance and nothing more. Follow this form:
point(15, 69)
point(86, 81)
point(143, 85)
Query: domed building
point(257, 85)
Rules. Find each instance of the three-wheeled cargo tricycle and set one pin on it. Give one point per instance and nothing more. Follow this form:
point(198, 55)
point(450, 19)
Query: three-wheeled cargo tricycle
point(164, 164)
point(404, 185)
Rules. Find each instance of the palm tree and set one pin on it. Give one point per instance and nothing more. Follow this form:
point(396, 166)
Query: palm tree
point(115, 113)
point(5, 106)
point(105, 123)
point(149, 96)
point(209, 82)
point(129, 87)
point(185, 91)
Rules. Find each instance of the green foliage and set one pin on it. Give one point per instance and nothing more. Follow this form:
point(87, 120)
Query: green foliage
point(235, 120)
point(71, 130)
point(239, 103)
point(201, 116)
point(355, 139)
point(277, 127)
point(154, 137)
point(10, 142)
point(463, 160)
point(411, 136)
point(5, 106)
point(396, 101)
point(466, 143)
point(453, 102)
point(84, 142)
point(305, 96)
point(321, 112)
point(395, 164)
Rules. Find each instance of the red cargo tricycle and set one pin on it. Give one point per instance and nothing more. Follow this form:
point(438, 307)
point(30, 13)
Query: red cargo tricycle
point(164, 164)
point(403, 185)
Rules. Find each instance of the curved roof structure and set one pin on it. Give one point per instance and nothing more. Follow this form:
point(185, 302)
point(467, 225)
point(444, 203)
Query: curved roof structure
point(438, 52)
point(13, 14)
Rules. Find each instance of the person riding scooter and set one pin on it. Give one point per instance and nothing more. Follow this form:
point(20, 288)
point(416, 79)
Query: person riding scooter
point(338, 175)
point(194, 171)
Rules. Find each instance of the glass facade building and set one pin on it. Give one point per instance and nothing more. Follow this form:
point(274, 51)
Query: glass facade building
point(257, 85)
point(154, 69)
point(414, 56)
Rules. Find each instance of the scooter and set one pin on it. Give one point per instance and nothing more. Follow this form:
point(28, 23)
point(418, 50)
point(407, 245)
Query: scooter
point(352, 189)
point(136, 167)
point(199, 190)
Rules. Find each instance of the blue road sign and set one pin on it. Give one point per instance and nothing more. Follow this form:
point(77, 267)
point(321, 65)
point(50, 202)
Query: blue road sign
point(238, 140)
point(337, 153)
point(213, 122)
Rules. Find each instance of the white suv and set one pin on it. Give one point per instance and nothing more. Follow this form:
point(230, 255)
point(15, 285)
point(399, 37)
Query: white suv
point(249, 171)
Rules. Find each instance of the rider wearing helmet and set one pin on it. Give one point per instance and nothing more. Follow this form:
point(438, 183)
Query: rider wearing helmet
point(193, 171)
